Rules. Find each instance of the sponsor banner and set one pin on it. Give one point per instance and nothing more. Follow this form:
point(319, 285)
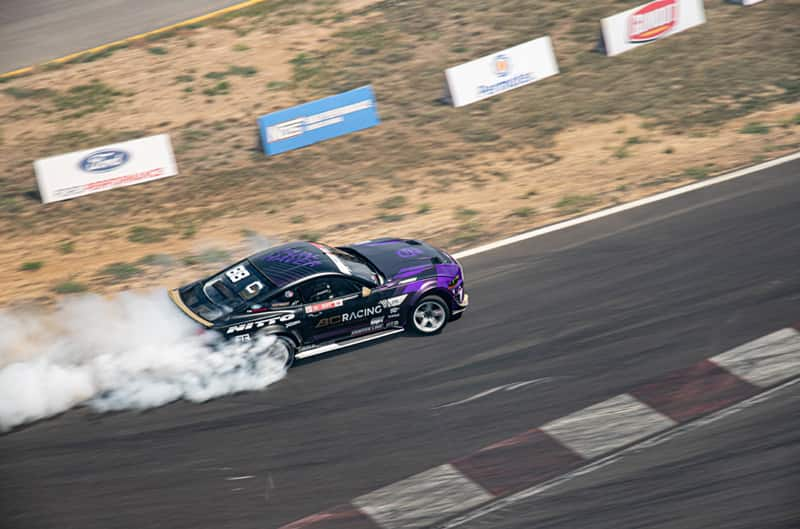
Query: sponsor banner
point(319, 120)
point(649, 22)
point(500, 72)
point(745, 2)
point(118, 165)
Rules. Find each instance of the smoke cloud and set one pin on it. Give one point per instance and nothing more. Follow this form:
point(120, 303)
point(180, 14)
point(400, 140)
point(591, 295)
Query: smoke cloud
point(133, 351)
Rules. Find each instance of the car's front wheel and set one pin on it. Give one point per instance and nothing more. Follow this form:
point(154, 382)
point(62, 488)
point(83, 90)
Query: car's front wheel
point(429, 315)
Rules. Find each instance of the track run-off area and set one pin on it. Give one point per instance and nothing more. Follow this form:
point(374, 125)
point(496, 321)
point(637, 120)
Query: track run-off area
point(598, 312)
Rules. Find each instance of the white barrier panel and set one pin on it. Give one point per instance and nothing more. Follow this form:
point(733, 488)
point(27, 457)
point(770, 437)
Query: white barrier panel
point(745, 2)
point(649, 22)
point(500, 72)
point(117, 165)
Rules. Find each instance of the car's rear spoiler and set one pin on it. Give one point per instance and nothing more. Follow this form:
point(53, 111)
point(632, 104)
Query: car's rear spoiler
point(175, 296)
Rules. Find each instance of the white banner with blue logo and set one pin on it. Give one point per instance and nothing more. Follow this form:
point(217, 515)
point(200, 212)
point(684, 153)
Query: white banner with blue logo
point(500, 72)
point(117, 165)
point(318, 120)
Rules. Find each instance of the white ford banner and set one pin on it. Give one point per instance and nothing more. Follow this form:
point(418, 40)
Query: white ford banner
point(500, 72)
point(649, 22)
point(117, 165)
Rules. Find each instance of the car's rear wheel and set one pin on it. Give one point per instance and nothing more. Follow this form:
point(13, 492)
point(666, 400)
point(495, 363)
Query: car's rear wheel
point(429, 315)
point(281, 350)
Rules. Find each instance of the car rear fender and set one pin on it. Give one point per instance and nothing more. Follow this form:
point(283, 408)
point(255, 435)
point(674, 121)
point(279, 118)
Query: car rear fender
point(291, 335)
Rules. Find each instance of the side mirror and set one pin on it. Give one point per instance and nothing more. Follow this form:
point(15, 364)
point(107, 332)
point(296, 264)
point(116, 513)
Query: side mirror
point(365, 292)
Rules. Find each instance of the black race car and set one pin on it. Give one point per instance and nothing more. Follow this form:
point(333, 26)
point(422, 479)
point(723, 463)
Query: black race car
point(315, 298)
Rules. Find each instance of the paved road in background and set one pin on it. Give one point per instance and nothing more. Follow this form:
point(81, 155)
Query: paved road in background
point(595, 310)
point(35, 31)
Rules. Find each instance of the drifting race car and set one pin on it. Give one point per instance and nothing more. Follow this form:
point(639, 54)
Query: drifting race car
point(315, 298)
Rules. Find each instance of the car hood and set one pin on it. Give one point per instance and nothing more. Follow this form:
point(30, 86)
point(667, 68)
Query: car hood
point(398, 257)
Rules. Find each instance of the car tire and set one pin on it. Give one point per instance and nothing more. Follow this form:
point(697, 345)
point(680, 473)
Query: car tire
point(283, 349)
point(428, 316)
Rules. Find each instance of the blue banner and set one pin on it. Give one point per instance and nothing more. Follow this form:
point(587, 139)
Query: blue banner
point(319, 120)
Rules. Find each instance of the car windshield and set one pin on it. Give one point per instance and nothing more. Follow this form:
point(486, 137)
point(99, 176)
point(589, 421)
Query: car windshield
point(358, 266)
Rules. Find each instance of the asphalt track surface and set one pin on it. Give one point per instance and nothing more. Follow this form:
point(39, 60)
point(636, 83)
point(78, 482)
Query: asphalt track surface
point(738, 473)
point(35, 31)
point(595, 309)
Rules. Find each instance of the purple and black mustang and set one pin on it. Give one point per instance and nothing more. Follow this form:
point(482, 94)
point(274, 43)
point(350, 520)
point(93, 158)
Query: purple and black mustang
point(315, 298)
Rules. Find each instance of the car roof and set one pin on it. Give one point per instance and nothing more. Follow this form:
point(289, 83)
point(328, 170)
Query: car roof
point(292, 262)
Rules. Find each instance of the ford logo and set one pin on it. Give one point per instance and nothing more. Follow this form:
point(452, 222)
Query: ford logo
point(104, 161)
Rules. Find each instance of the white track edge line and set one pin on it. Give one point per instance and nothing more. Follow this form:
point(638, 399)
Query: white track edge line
point(657, 439)
point(624, 207)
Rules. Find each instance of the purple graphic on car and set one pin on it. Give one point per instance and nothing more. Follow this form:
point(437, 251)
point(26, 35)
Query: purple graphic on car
point(417, 285)
point(411, 271)
point(447, 269)
point(409, 252)
point(295, 257)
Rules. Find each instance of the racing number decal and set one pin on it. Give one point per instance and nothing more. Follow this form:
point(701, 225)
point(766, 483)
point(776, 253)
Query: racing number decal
point(237, 273)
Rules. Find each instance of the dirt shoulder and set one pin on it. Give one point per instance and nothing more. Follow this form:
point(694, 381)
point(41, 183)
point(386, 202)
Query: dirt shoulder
point(603, 132)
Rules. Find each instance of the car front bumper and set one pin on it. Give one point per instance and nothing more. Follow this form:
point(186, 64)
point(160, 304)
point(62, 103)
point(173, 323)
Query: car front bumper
point(462, 305)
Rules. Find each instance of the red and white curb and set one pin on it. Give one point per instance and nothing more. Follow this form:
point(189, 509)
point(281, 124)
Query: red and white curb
point(560, 446)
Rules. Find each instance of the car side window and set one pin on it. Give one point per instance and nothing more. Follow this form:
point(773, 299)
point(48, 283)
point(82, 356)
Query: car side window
point(345, 287)
point(285, 298)
point(325, 288)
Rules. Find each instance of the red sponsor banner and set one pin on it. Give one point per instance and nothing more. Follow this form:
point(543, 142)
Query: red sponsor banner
point(652, 20)
point(649, 22)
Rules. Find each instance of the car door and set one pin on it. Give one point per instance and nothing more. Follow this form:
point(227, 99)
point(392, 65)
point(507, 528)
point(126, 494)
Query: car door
point(335, 308)
point(392, 302)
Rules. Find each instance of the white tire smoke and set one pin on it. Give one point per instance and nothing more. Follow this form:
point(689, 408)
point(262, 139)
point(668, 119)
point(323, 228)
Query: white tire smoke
point(134, 351)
